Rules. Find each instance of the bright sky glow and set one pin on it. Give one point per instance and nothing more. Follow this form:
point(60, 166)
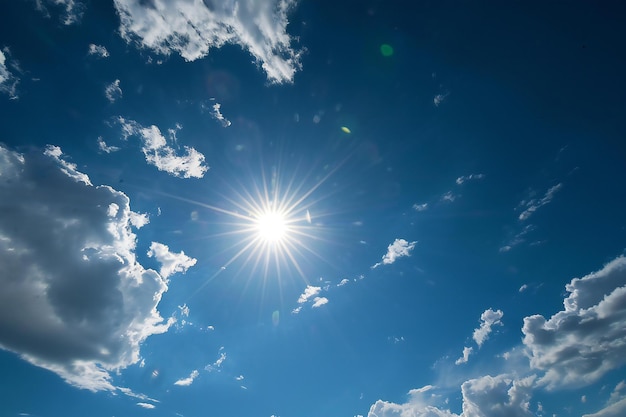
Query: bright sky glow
point(272, 226)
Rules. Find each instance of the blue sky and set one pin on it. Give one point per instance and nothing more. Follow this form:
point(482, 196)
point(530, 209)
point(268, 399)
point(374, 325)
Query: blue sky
point(279, 208)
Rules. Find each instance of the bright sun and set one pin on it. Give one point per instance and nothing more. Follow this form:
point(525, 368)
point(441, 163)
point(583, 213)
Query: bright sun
point(271, 226)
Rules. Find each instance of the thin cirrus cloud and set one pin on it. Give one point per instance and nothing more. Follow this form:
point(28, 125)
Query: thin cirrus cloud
point(398, 249)
point(72, 10)
point(573, 348)
point(158, 153)
point(113, 91)
point(531, 206)
point(8, 79)
point(72, 230)
point(464, 178)
point(191, 29)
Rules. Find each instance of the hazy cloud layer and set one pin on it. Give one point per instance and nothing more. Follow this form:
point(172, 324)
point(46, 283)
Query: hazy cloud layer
point(74, 299)
point(191, 29)
point(160, 154)
point(581, 343)
point(398, 249)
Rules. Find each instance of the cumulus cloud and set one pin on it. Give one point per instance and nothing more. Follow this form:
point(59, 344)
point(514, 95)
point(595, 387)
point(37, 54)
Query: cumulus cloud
point(499, 396)
point(98, 50)
point(420, 207)
point(191, 29)
point(465, 178)
point(488, 319)
point(171, 262)
point(581, 343)
point(534, 204)
point(113, 91)
point(487, 396)
point(72, 9)
point(185, 382)
point(343, 282)
point(106, 148)
point(67, 250)
point(217, 114)
point(218, 363)
point(467, 351)
point(8, 79)
point(398, 249)
point(319, 301)
point(309, 292)
point(158, 153)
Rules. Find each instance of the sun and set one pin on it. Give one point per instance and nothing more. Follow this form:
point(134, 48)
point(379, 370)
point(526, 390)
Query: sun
point(271, 226)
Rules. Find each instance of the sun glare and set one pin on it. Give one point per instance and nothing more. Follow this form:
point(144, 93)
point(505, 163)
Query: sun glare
point(272, 226)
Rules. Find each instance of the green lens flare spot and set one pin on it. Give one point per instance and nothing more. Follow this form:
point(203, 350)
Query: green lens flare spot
point(386, 49)
point(345, 130)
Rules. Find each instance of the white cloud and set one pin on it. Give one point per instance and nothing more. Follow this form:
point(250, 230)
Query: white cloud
point(488, 319)
point(104, 147)
point(581, 343)
point(72, 9)
point(158, 153)
point(518, 239)
point(398, 249)
point(309, 292)
point(113, 91)
point(499, 396)
point(439, 98)
point(192, 28)
point(449, 197)
point(146, 405)
point(185, 382)
point(171, 262)
point(467, 351)
point(8, 79)
point(217, 114)
point(487, 396)
point(420, 207)
point(343, 282)
point(85, 304)
point(534, 204)
point(319, 301)
point(523, 288)
point(98, 50)
point(239, 378)
point(470, 177)
point(617, 409)
point(296, 310)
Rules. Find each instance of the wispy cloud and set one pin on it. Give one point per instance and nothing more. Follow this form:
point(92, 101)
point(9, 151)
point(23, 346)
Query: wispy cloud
point(319, 301)
point(398, 249)
point(158, 153)
point(217, 114)
point(488, 319)
point(113, 91)
point(191, 29)
point(440, 98)
point(464, 178)
point(449, 197)
point(72, 9)
point(8, 79)
point(185, 382)
point(146, 405)
point(98, 50)
point(467, 351)
point(171, 262)
point(83, 338)
point(420, 207)
point(533, 205)
point(106, 148)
